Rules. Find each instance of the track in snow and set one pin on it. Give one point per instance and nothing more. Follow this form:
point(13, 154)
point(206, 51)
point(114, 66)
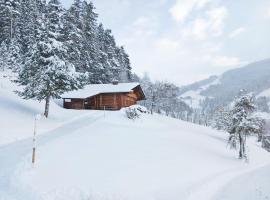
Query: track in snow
point(11, 154)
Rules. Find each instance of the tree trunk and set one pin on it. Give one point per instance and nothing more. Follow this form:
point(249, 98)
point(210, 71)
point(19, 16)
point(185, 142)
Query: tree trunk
point(241, 146)
point(244, 146)
point(259, 137)
point(47, 105)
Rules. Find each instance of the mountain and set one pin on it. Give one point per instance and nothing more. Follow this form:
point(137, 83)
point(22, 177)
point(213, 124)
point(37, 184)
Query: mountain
point(221, 90)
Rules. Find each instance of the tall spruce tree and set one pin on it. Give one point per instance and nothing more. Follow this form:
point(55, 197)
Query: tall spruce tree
point(241, 125)
point(222, 119)
point(90, 44)
point(9, 14)
point(3, 56)
point(73, 35)
point(14, 58)
point(46, 73)
point(126, 75)
point(100, 74)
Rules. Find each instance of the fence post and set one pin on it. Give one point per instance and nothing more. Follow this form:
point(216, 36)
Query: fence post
point(37, 117)
point(34, 143)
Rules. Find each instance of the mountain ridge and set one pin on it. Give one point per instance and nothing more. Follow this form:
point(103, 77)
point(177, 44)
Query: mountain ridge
point(254, 78)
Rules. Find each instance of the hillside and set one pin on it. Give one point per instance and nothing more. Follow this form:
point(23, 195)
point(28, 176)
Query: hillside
point(253, 78)
point(17, 115)
point(104, 155)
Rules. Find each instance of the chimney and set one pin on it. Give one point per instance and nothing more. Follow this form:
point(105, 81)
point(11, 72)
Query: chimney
point(115, 82)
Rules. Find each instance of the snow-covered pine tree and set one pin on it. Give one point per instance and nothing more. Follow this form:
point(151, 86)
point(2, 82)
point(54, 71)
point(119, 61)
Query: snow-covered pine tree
point(3, 56)
point(125, 66)
point(73, 35)
point(4, 18)
point(90, 47)
point(240, 126)
point(222, 119)
point(9, 13)
point(257, 126)
point(14, 56)
point(111, 66)
point(26, 30)
point(4, 21)
point(46, 73)
point(100, 75)
point(266, 136)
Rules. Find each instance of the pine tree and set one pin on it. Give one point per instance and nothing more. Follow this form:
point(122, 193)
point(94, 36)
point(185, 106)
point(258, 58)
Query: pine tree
point(27, 27)
point(222, 119)
point(100, 75)
point(240, 126)
point(46, 74)
point(266, 136)
point(109, 64)
point(9, 14)
point(13, 56)
point(3, 56)
point(90, 47)
point(5, 21)
point(73, 35)
point(125, 66)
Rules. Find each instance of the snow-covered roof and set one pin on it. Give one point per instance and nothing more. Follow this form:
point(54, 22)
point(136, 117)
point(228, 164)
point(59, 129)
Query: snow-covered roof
point(94, 89)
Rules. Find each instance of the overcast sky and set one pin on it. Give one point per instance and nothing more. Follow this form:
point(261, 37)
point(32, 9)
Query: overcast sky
point(187, 40)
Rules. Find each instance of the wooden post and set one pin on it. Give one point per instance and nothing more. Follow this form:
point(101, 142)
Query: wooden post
point(37, 117)
point(104, 110)
point(34, 143)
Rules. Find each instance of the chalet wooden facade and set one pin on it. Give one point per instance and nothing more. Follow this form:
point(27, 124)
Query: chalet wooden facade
point(104, 96)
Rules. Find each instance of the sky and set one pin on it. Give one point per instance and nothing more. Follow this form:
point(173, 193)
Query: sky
point(183, 41)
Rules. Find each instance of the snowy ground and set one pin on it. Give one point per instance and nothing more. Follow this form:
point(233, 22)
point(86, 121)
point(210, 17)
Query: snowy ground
point(84, 155)
point(17, 115)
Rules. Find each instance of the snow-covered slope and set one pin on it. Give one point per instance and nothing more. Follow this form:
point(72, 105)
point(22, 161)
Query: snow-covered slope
point(112, 157)
point(17, 115)
point(96, 155)
point(194, 98)
point(265, 93)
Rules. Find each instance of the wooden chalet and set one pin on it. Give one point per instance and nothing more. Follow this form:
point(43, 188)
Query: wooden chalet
point(104, 96)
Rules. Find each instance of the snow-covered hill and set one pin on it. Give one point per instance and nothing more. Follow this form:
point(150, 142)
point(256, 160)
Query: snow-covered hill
point(221, 90)
point(17, 115)
point(92, 155)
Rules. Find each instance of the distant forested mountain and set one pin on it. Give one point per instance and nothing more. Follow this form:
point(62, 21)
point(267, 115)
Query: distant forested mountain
point(218, 91)
point(254, 78)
